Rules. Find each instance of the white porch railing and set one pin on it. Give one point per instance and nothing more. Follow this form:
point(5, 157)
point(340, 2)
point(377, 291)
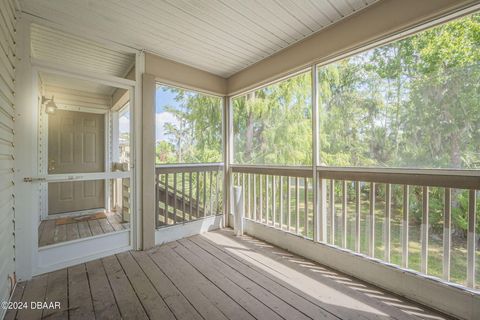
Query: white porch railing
point(402, 217)
point(188, 192)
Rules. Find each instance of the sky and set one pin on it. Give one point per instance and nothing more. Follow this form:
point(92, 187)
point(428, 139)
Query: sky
point(163, 98)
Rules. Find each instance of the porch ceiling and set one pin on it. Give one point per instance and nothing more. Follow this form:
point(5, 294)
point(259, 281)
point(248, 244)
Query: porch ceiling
point(54, 81)
point(219, 36)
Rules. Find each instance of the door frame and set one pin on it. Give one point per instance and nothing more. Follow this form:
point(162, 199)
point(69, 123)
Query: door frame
point(43, 163)
point(30, 259)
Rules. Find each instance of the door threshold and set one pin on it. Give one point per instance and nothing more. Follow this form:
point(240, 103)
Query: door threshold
point(74, 213)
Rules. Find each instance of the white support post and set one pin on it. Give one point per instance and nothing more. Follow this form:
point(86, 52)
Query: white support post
point(371, 233)
point(239, 210)
point(147, 148)
point(227, 125)
point(405, 226)
point(322, 204)
point(344, 214)
point(357, 216)
point(331, 210)
point(26, 211)
point(471, 239)
point(424, 231)
point(387, 223)
point(447, 234)
point(318, 200)
point(136, 158)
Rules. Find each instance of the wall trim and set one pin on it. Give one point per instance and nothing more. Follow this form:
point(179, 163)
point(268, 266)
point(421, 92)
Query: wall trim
point(434, 293)
point(71, 253)
point(172, 233)
point(173, 73)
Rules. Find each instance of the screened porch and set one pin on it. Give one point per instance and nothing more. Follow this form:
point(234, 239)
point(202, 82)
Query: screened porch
point(240, 159)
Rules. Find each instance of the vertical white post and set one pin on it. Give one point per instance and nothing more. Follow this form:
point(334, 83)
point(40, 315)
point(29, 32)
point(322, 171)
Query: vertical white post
point(332, 211)
point(447, 234)
point(281, 202)
point(239, 210)
point(274, 200)
point(26, 212)
point(371, 237)
point(472, 205)
point(260, 199)
point(266, 200)
point(148, 160)
point(317, 199)
point(357, 216)
point(387, 223)
point(227, 125)
point(405, 226)
point(289, 205)
point(322, 203)
point(344, 213)
point(136, 159)
point(297, 202)
point(424, 231)
point(254, 197)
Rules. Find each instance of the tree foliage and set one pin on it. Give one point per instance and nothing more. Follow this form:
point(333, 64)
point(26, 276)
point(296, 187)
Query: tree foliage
point(411, 103)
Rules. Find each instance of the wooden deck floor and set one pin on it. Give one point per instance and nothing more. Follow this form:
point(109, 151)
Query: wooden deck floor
point(51, 232)
point(210, 276)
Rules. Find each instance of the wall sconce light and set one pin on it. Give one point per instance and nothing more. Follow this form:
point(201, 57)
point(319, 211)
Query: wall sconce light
point(51, 106)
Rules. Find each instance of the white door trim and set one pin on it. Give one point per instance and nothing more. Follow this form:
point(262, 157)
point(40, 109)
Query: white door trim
point(66, 254)
point(29, 259)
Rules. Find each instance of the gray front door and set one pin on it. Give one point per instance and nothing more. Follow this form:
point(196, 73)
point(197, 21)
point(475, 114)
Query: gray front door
point(76, 144)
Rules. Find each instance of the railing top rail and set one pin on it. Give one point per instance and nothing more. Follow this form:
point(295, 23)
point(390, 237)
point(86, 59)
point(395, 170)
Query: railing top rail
point(190, 167)
point(448, 178)
point(291, 171)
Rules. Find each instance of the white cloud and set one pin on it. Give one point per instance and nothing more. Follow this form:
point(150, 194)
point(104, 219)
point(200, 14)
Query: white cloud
point(124, 124)
point(160, 120)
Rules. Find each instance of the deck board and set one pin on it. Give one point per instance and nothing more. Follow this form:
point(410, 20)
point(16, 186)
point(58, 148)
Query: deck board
point(211, 276)
point(125, 295)
point(104, 304)
point(153, 304)
point(80, 305)
point(16, 297)
point(49, 232)
point(35, 290)
point(239, 294)
point(176, 301)
point(57, 291)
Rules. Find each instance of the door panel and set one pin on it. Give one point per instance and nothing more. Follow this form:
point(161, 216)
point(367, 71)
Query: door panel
point(76, 144)
point(75, 196)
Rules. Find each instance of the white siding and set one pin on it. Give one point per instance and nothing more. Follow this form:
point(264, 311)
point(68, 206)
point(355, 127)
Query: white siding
point(7, 107)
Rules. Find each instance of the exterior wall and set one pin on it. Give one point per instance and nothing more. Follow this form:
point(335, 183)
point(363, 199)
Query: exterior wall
point(381, 20)
point(7, 113)
point(174, 73)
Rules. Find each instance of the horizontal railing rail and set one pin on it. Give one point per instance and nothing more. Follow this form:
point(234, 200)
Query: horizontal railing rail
point(421, 220)
point(186, 192)
point(305, 172)
point(464, 179)
point(179, 168)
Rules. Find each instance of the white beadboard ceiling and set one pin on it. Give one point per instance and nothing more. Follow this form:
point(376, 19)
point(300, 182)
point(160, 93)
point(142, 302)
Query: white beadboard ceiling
point(51, 81)
point(219, 36)
point(55, 46)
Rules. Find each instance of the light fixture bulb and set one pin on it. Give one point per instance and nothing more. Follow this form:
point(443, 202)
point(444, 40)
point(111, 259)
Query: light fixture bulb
point(50, 107)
